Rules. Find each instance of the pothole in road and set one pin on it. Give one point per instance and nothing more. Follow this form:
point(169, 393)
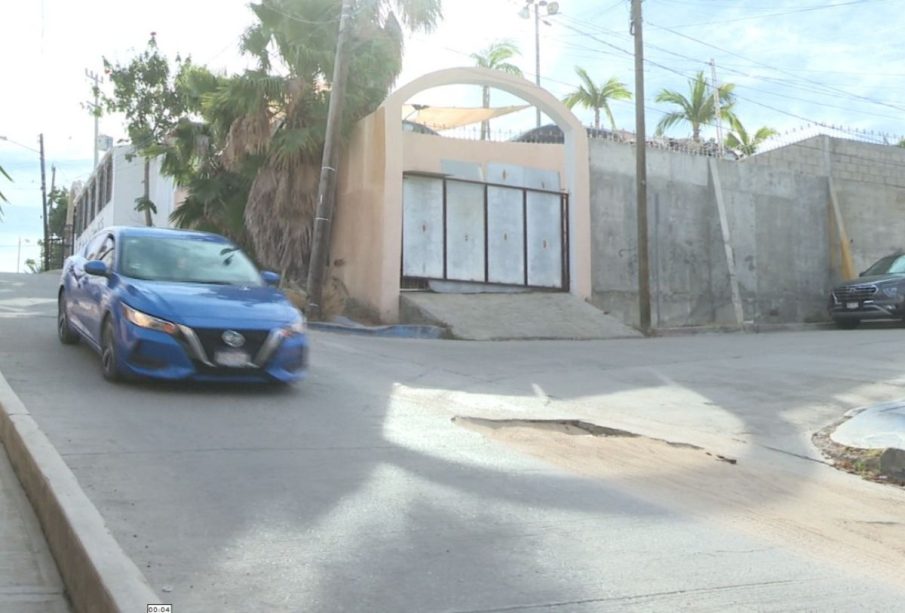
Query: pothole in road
point(575, 427)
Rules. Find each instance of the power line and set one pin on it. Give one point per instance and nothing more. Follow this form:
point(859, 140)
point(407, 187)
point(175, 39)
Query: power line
point(811, 81)
point(730, 69)
point(782, 82)
point(9, 140)
point(672, 70)
point(780, 14)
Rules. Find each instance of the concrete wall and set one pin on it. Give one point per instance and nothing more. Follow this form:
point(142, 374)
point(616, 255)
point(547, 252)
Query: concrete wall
point(870, 185)
point(778, 222)
point(359, 230)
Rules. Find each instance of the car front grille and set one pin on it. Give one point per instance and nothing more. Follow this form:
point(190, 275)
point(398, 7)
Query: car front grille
point(212, 340)
point(855, 292)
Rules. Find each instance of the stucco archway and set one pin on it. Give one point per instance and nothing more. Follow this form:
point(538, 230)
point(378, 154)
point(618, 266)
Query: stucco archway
point(377, 283)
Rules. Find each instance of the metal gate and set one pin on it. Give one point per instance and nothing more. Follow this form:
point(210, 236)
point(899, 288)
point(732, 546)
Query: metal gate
point(472, 231)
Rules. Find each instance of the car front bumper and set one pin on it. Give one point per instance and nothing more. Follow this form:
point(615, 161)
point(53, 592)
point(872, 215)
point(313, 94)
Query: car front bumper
point(867, 309)
point(157, 355)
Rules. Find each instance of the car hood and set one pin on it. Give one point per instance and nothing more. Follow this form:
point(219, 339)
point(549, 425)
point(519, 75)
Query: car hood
point(202, 305)
point(872, 279)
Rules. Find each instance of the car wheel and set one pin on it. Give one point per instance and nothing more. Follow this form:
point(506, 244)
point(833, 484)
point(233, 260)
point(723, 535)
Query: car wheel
point(847, 324)
point(64, 329)
point(108, 352)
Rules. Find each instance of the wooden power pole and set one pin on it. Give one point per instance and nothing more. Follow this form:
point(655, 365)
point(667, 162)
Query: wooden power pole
point(326, 189)
point(44, 203)
point(641, 173)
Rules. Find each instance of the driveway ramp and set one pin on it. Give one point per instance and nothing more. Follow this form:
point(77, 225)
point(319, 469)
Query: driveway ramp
point(529, 315)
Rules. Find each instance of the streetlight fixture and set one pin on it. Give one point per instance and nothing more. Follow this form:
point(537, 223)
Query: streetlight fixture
point(551, 8)
point(19, 253)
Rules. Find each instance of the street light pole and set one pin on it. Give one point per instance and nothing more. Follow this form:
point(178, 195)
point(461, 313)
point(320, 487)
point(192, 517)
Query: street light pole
point(552, 8)
point(537, 52)
point(96, 78)
point(19, 253)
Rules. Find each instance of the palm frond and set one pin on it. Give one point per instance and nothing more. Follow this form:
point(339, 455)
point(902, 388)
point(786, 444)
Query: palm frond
point(669, 120)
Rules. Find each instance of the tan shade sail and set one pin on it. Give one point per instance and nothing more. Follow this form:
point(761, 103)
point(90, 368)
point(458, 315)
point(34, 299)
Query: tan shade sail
point(449, 117)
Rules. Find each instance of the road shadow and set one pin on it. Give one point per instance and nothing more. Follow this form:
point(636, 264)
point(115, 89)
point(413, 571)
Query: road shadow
point(337, 494)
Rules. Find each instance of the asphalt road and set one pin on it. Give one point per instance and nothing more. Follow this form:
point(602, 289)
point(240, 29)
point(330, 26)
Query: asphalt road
point(354, 491)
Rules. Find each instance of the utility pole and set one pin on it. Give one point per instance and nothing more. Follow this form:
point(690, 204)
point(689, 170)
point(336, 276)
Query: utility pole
point(48, 245)
point(326, 189)
point(44, 198)
point(641, 173)
point(716, 107)
point(94, 108)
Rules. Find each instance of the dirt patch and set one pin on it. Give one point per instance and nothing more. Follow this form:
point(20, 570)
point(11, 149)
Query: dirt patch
point(792, 502)
point(865, 463)
point(574, 427)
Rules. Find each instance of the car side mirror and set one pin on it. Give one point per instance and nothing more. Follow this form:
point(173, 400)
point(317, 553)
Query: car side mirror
point(270, 278)
point(96, 268)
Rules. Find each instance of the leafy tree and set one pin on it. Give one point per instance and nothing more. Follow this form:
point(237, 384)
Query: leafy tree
point(698, 108)
point(746, 144)
point(590, 95)
point(282, 115)
point(57, 206)
point(144, 91)
point(901, 143)
point(193, 156)
point(32, 266)
point(495, 57)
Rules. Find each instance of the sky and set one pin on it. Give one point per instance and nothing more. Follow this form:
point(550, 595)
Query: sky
point(798, 66)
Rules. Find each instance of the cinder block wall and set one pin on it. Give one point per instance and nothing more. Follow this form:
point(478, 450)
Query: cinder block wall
point(779, 218)
point(870, 185)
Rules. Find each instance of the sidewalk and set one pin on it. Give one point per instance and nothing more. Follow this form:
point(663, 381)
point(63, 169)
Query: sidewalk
point(29, 581)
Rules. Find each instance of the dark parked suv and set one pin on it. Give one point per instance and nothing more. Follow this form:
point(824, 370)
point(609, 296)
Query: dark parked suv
point(878, 293)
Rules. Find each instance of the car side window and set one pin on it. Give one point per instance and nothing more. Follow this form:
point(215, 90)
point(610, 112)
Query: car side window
point(94, 247)
point(105, 254)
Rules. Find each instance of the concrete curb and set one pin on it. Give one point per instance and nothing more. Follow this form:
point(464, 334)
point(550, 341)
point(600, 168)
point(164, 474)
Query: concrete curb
point(97, 573)
point(390, 331)
point(748, 328)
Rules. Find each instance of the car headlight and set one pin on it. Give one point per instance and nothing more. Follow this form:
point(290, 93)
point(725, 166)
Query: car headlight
point(890, 291)
point(143, 320)
point(292, 329)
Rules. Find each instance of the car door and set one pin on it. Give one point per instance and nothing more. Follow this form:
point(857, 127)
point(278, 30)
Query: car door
point(76, 288)
point(96, 292)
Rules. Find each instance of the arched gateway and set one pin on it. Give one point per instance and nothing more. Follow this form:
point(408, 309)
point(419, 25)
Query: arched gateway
point(413, 205)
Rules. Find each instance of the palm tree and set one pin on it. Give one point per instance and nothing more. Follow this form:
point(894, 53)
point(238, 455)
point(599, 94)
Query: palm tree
point(494, 57)
point(741, 141)
point(215, 195)
point(593, 96)
point(698, 108)
point(282, 116)
point(2, 197)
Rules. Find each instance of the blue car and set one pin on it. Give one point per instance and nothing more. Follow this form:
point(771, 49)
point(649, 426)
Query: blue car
point(176, 304)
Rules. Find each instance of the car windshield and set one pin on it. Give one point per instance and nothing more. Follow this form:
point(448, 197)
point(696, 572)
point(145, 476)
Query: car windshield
point(891, 264)
point(186, 260)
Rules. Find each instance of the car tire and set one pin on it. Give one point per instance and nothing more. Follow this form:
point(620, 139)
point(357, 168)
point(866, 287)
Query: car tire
point(64, 328)
point(847, 324)
point(108, 352)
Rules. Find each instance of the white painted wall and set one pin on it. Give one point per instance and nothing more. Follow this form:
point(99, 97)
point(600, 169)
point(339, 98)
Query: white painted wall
point(127, 185)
